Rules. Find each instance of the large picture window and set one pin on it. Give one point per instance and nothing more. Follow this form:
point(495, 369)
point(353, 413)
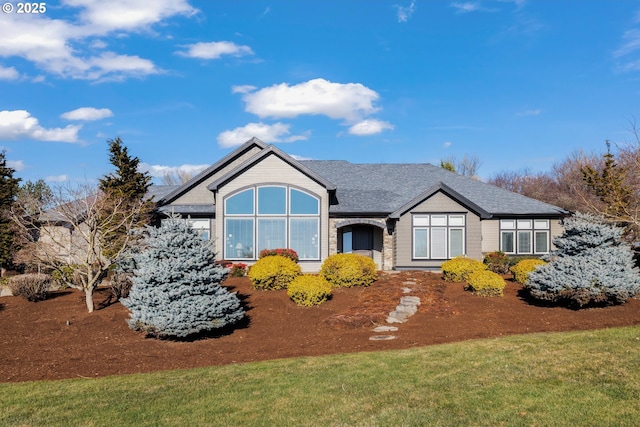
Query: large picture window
point(438, 236)
point(271, 217)
point(524, 236)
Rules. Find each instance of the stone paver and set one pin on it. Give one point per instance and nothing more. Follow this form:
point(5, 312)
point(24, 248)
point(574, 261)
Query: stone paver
point(384, 328)
point(408, 307)
point(382, 337)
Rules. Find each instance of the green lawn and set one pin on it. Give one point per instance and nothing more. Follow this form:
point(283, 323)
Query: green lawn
point(563, 379)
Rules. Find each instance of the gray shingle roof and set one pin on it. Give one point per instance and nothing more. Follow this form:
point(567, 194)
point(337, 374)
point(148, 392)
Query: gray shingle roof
point(384, 188)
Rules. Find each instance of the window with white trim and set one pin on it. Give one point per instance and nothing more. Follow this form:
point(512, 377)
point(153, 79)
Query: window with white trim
point(438, 236)
point(524, 236)
point(271, 217)
point(202, 226)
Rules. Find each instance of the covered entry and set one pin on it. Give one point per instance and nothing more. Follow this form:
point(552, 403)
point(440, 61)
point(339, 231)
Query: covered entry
point(363, 237)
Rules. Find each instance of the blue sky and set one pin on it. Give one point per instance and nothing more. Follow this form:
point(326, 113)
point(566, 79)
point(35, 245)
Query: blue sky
point(517, 83)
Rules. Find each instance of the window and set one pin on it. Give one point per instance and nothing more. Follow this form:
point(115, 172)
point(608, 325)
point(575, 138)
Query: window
point(524, 236)
point(270, 217)
point(438, 236)
point(202, 226)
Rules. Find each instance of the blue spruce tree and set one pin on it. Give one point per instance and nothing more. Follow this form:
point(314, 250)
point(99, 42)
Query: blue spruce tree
point(176, 285)
point(591, 266)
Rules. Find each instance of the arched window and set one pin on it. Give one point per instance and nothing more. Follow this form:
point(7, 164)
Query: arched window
point(270, 217)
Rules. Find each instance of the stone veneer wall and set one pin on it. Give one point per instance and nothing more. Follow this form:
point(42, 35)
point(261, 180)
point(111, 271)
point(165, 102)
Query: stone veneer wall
point(387, 239)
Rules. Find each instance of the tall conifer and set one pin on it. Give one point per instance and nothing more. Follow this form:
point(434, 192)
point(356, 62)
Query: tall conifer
point(176, 285)
point(9, 187)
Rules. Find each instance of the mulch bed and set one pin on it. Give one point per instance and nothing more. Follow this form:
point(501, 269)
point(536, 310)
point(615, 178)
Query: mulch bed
point(57, 338)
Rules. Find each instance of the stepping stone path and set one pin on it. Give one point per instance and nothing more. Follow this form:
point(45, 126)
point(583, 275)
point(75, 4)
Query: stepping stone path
point(408, 307)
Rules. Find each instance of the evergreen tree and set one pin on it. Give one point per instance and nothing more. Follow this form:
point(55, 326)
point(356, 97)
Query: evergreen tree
point(126, 187)
point(9, 187)
point(609, 185)
point(591, 265)
point(34, 196)
point(127, 181)
point(176, 285)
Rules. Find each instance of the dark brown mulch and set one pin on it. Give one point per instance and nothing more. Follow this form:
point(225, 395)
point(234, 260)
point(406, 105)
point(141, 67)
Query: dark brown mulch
point(57, 338)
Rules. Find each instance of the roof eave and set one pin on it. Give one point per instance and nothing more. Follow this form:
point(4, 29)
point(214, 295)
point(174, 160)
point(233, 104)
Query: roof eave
point(211, 169)
point(440, 186)
point(263, 154)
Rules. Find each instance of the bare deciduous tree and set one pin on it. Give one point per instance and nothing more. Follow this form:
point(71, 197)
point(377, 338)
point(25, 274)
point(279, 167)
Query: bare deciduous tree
point(177, 178)
point(468, 166)
point(72, 233)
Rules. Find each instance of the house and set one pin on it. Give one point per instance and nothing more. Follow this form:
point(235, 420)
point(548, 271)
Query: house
point(405, 216)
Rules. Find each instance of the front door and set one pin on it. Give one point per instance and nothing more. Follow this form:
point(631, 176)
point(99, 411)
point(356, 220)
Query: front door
point(357, 239)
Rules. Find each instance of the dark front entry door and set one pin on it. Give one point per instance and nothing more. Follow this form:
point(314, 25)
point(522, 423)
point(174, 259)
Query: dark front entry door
point(358, 239)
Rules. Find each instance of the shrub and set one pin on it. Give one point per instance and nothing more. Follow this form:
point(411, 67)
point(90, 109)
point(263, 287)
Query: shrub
point(458, 269)
point(288, 253)
point(237, 270)
point(32, 286)
point(486, 283)
point(273, 272)
point(497, 261)
point(522, 269)
point(346, 270)
point(176, 288)
point(120, 285)
point(64, 275)
point(308, 290)
point(591, 265)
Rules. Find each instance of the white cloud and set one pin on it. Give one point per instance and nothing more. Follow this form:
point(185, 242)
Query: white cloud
point(447, 144)
point(18, 165)
point(536, 112)
point(20, 124)
point(9, 73)
point(405, 12)
point(471, 6)
point(56, 178)
point(214, 50)
point(101, 17)
point(87, 114)
point(242, 89)
point(297, 157)
point(369, 127)
point(160, 170)
point(56, 45)
point(348, 101)
point(278, 132)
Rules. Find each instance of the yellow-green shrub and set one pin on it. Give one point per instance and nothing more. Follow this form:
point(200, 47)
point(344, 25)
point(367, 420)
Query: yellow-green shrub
point(346, 270)
point(273, 272)
point(458, 269)
point(309, 290)
point(522, 269)
point(486, 283)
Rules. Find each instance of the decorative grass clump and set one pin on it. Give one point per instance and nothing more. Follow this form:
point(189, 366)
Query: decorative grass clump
point(32, 286)
point(460, 268)
point(273, 272)
point(346, 270)
point(486, 283)
point(309, 290)
point(497, 261)
point(525, 267)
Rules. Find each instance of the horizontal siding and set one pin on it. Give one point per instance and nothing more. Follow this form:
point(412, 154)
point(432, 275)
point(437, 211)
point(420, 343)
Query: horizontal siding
point(490, 235)
point(273, 170)
point(438, 203)
point(556, 230)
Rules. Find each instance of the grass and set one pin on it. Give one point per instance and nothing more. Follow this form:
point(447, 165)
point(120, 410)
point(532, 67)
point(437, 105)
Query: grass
point(562, 379)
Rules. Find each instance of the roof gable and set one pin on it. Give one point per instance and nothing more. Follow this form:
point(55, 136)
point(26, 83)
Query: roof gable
point(217, 166)
point(440, 186)
point(271, 151)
